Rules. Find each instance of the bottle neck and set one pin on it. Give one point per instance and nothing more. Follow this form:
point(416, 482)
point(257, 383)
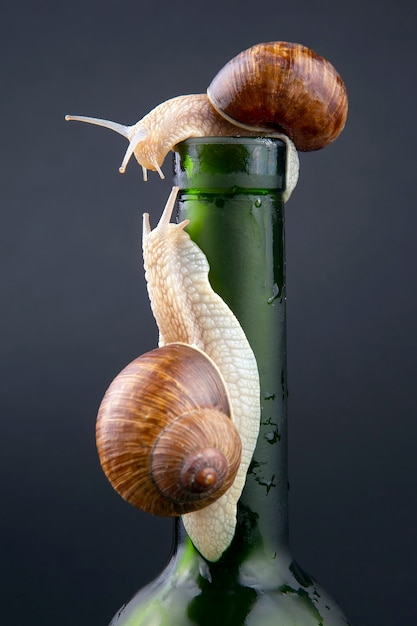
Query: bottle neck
point(231, 191)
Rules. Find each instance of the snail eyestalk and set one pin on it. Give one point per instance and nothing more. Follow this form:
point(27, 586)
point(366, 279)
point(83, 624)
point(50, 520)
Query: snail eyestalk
point(125, 131)
point(129, 132)
point(135, 137)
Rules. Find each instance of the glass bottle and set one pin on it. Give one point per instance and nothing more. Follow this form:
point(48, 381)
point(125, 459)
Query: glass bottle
point(231, 191)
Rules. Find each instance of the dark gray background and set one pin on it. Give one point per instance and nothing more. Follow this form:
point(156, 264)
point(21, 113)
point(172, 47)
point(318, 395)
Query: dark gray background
point(74, 306)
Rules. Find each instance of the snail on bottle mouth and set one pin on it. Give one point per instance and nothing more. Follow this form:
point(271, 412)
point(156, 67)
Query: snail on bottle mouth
point(275, 89)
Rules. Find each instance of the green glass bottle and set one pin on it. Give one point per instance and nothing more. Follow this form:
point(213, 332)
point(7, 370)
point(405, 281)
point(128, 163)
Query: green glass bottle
point(231, 191)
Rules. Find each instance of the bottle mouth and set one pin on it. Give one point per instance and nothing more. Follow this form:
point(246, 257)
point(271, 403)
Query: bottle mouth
point(233, 163)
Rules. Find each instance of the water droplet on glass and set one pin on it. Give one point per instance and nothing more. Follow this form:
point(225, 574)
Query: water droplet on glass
point(275, 293)
point(273, 436)
point(258, 202)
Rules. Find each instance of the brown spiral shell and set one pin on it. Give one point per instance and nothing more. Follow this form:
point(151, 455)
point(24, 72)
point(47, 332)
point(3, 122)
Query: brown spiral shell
point(284, 87)
point(164, 434)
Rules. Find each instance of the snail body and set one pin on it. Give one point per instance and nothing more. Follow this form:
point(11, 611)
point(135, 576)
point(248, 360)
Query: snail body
point(187, 309)
point(276, 89)
point(172, 121)
point(177, 119)
point(188, 312)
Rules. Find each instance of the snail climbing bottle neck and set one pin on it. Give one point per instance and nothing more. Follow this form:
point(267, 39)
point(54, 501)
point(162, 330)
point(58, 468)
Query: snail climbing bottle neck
point(231, 191)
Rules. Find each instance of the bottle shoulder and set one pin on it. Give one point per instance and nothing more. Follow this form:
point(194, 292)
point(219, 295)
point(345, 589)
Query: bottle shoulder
point(188, 592)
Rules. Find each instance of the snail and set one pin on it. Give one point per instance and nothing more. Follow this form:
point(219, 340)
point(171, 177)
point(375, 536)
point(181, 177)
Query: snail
point(202, 350)
point(276, 89)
